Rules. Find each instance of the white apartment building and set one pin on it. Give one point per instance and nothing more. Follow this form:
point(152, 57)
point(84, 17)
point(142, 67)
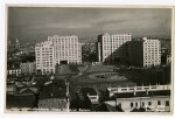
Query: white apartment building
point(151, 52)
point(67, 49)
point(57, 50)
point(145, 52)
point(45, 60)
point(112, 46)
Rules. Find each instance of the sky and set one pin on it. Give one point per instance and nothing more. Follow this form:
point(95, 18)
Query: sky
point(35, 24)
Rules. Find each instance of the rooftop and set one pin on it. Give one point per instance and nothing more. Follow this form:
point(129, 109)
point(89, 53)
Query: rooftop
point(54, 89)
point(143, 94)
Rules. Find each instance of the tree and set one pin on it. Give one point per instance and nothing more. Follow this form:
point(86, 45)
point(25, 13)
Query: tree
point(89, 53)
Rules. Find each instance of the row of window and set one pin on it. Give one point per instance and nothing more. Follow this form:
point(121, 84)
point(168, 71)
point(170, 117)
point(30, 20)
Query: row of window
point(151, 62)
point(123, 37)
point(66, 46)
point(152, 42)
point(152, 50)
point(64, 52)
point(48, 71)
point(153, 47)
point(47, 49)
point(116, 40)
point(151, 58)
point(149, 103)
point(64, 39)
point(152, 53)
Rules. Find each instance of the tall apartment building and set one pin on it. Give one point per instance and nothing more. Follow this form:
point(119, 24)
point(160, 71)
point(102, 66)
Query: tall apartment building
point(111, 48)
point(57, 50)
point(45, 60)
point(145, 52)
point(67, 49)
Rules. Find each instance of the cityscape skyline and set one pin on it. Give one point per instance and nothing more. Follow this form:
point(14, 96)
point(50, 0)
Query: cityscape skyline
point(26, 23)
point(67, 59)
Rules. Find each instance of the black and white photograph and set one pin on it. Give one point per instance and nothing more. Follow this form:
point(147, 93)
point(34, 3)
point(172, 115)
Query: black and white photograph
point(89, 59)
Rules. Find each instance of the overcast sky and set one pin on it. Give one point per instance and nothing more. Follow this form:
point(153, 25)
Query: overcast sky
point(30, 24)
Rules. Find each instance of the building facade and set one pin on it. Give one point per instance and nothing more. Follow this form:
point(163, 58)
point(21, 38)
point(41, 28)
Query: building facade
point(149, 104)
point(145, 52)
point(151, 98)
point(28, 68)
point(57, 50)
point(67, 49)
point(14, 72)
point(45, 60)
point(111, 48)
point(136, 89)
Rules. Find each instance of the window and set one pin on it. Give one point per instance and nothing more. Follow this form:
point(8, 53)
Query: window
point(131, 104)
point(149, 103)
point(167, 103)
point(159, 103)
point(143, 104)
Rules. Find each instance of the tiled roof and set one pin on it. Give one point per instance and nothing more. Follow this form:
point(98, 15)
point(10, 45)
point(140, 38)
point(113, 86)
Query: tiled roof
point(28, 89)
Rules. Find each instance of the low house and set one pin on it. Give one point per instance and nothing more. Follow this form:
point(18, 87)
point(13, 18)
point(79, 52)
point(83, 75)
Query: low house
point(147, 103)
point(25, 97)
point(152, 99)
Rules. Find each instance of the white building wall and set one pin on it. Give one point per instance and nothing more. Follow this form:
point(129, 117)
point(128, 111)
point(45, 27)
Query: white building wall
point(45, 60)
point(149, 103)
point(66, 48)
point(110, 43)
point(151, 52)
point(57, 49)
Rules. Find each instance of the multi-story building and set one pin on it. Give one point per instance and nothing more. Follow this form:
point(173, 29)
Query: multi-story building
point(67, 49)
point(57, 50)
point(111, 48)
point(152, 98)
point(45, 61)
point(145, 52)
point(28, 68)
